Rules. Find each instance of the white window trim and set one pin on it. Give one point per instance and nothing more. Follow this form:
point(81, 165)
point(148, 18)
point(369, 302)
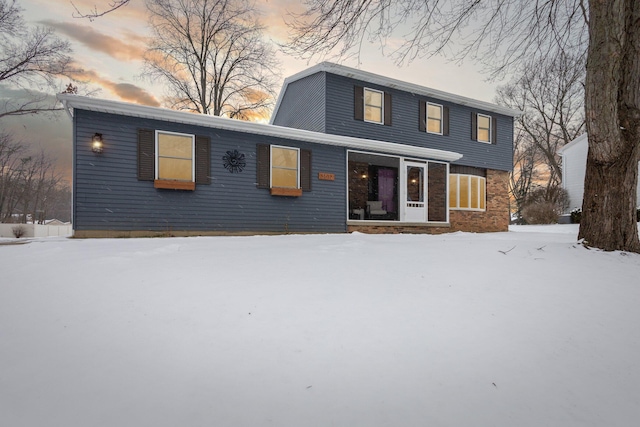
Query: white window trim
point(480, 180)
point(478, 128)
point(193, 152)
point(271, 165)
point(441, 118)
point(364, 106)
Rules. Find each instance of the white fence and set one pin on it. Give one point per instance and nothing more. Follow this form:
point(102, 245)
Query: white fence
point(36, 230)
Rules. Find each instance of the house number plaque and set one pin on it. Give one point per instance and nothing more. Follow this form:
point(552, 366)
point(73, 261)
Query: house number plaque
point(324, 176)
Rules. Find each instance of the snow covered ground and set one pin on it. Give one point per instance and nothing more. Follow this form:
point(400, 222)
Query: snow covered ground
point(526, 328)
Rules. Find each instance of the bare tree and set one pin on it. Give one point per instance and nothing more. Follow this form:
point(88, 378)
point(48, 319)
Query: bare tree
point(40, 180)
point(29, 184)
point(31, 59)
point(550, 93)
point(500, 34)
point(94, 12)
point(212, 55)
point(11, 153)
point(525, 158)
point(613, 124)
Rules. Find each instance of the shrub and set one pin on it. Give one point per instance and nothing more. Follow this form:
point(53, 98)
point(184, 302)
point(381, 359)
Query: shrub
point(19, 231)
point(543, 205)
point(540, 213)
point(576, 216)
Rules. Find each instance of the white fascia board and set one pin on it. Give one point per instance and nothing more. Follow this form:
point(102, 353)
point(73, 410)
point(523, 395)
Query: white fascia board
point(365, 76)
point(134, 110)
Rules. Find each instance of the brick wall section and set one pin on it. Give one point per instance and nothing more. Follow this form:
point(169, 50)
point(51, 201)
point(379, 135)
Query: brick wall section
point(358, 186)
point(437, 198)
point(495, 218)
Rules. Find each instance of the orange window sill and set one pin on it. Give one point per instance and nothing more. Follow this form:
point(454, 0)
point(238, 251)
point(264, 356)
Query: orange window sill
point(291, 192)
point(174, 185)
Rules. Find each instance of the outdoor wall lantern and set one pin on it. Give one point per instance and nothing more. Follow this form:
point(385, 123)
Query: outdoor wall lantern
point(96, 143)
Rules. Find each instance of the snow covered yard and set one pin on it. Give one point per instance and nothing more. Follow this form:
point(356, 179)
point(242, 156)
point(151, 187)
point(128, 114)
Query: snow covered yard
point(525, 328)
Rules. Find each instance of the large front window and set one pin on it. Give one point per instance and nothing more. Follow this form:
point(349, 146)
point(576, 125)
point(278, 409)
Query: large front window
point(467, 192)
point(373, 105)
point(175, 156)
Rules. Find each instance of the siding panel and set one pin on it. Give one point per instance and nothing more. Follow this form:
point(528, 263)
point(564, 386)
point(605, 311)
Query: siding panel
point(302, 105)
point(406, 107)
point(109, 196)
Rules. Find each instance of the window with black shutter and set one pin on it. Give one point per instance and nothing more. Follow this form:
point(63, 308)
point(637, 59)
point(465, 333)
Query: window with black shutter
point(285, 171)
point(484, 128)
point(372, 105)
point(173, 160)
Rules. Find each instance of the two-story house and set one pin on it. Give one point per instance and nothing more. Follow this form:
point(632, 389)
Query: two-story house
point(346, 150)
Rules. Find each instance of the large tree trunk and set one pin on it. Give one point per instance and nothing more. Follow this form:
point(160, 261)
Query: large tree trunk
point(613, 124)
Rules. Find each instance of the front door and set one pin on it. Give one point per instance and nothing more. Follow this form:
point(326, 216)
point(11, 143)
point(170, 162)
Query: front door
point(415, 207)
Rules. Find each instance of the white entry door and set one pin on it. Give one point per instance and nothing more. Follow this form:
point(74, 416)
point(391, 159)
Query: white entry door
point(415, 192)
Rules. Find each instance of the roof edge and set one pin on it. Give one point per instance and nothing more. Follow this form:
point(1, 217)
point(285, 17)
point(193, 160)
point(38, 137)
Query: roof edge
point(355, 73)
point(71, 102)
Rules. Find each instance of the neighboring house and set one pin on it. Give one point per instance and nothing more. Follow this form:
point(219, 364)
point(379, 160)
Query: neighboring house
point(345, 151)
point(574, 165)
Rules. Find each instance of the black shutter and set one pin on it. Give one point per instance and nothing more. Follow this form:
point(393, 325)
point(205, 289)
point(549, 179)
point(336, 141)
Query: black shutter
point(445, 120)
point(146, 154)
point(474, 126)
point(305, 170)
point(203, 160)
point(387, 109)
point(263, 166)
point(358, 102)
point(422, 120)
point(494, 130)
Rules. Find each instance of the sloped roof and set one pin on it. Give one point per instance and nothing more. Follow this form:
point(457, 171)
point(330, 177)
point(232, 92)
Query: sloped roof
point(72, 102)
point(354, 73)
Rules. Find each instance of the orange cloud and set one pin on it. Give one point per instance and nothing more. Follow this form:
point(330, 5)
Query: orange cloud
point(125, 91)
point(273, 14)
point(87, 35)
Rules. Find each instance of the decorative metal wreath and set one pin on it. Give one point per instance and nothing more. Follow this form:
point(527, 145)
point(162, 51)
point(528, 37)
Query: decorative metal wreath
point(234, 161)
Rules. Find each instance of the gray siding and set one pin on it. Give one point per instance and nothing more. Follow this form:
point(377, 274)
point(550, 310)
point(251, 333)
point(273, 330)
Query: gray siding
point(405, 128)
point(108, 195)
point(302, 105)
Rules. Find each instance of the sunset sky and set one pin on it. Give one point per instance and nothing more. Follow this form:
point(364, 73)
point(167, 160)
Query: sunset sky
point(109, 50)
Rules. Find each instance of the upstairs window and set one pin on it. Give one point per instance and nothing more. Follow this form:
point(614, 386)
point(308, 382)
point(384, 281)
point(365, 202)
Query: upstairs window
point(434, 118)
point(371, 105)
point(484, 128)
